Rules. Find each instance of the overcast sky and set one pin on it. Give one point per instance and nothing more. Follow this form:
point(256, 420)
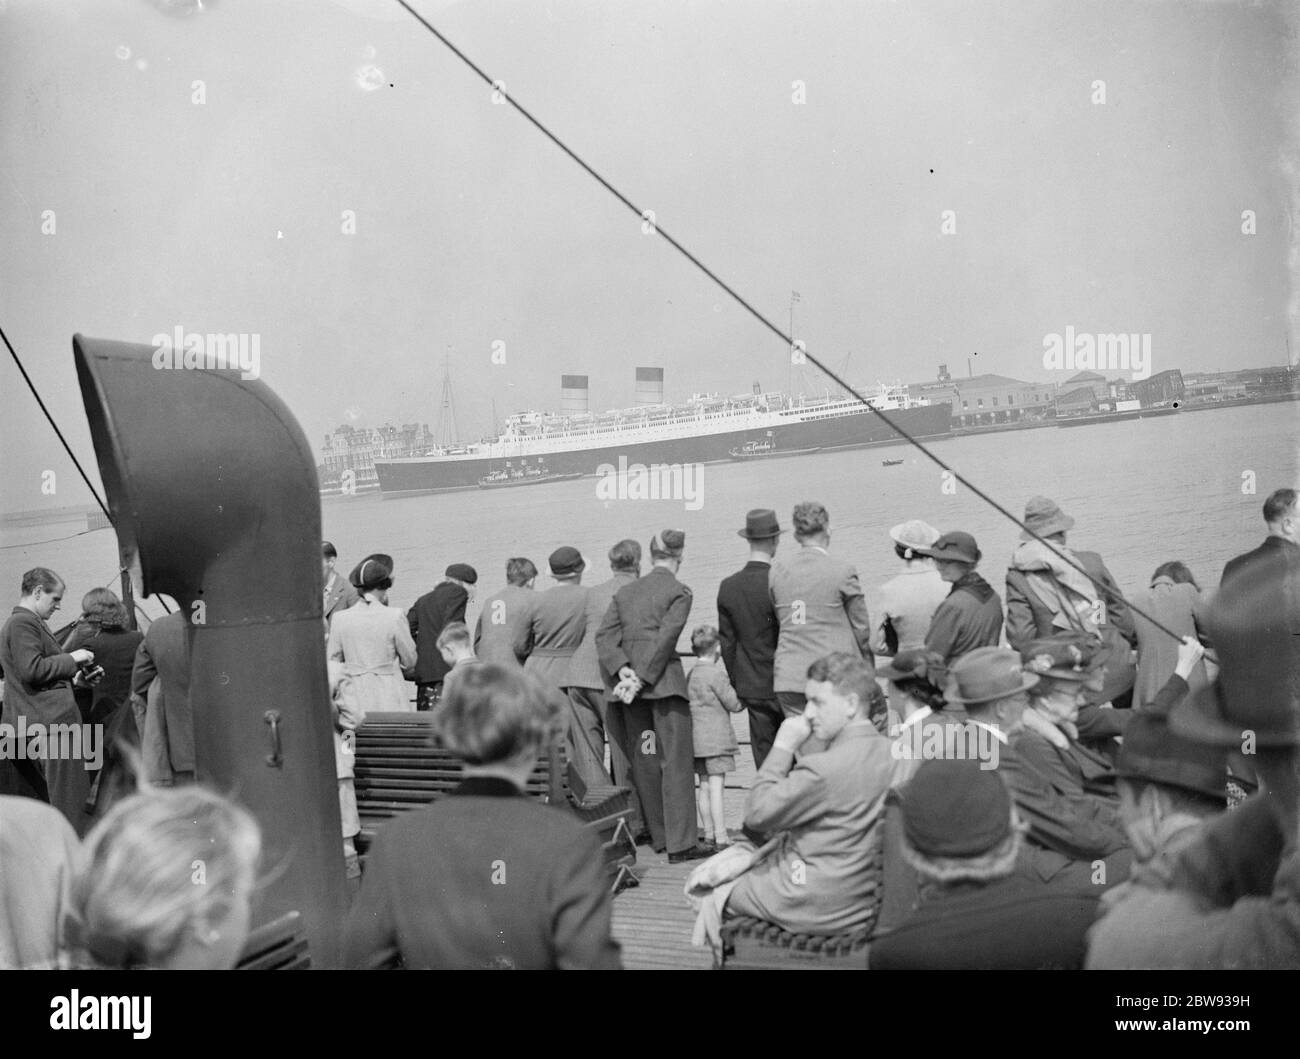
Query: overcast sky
point(471, 229)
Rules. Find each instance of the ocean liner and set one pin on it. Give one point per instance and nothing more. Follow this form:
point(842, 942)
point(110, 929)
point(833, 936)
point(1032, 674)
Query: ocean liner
point(707, 428)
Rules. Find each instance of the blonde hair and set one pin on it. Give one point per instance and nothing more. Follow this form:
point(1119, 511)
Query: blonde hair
point(157, 864)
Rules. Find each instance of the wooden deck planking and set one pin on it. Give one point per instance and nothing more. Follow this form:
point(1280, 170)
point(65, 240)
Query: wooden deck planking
point(653, 921)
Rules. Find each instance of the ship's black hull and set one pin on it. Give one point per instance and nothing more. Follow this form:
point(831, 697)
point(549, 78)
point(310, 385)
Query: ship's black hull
point(852, 431)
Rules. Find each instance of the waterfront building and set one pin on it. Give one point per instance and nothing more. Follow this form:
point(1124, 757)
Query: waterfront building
point(985, 400)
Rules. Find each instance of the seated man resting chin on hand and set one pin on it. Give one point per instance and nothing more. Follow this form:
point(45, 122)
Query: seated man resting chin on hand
point(819, 872)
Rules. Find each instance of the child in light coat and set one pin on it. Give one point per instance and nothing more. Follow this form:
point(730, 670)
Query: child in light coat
point(712, 697)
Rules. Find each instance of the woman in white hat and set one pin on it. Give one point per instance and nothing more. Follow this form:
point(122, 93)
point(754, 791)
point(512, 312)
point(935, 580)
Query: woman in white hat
point(908, 601)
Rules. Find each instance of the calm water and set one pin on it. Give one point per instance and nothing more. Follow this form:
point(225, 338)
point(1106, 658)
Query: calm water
point(1141, 493)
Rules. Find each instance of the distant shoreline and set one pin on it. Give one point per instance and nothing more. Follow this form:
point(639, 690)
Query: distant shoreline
point(47, 516)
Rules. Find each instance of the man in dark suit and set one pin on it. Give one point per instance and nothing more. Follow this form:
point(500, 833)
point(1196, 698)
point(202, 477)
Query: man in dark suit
point(1276, 562)
point(339, 593)
point(428, 616)
point(637, 645)
point(1281, 548)
point(39, 678)
point(748, 627)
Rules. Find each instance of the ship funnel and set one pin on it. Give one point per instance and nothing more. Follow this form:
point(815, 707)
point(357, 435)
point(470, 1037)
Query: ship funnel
point(573, 395)
point(649, 386)
point(212, 485)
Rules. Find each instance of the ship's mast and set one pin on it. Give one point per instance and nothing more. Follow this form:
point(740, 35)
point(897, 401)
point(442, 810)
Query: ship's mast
point(449, 430)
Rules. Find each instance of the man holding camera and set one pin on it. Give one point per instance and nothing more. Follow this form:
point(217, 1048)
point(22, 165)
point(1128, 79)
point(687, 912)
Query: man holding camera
point(39, 678)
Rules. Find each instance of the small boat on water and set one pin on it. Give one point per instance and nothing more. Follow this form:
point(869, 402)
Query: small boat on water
point(506, 479)
point(755, 450)
point(890, 463)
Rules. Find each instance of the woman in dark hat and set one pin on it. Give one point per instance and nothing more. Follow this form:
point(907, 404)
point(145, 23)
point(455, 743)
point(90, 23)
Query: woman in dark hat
point(373, 642)
point(970, 617)
point(915, 679)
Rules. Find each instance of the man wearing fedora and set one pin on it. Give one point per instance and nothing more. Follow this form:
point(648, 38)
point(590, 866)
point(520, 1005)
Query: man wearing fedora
point(748, 627)
point(637, 646)
point(970, 616)
point(548, 640)
point(1046, 595)
point(504, 613)
point(963, 835)
point(819, 605)
point(1231, 899)
point(907, 602)
point(1065, 835)
point(428, 616)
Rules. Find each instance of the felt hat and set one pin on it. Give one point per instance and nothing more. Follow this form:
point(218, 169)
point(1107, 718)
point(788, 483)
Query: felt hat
point(760, 525)
point(987, 674)
point(953, 547)
point(371, 571)
point(916, 663)
point(1044, 518)
point(1152, 753)
point(954, 808)
point(1072, 656)
point(1256, 698)
point(566, 562)
point(462, 572)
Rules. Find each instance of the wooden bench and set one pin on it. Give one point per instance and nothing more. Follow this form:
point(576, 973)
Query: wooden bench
point(277, 946)
point(400, 766)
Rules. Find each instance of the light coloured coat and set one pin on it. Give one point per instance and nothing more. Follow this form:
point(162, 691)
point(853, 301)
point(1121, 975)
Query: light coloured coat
point(499, 623)
point(824, 875)
point(553, 632)
point(374, 644)
point(821, 609)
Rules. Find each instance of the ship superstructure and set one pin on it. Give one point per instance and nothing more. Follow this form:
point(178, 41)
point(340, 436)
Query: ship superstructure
point(703, 429)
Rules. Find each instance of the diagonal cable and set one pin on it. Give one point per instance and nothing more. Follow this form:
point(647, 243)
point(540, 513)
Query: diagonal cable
point(1112, 593)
